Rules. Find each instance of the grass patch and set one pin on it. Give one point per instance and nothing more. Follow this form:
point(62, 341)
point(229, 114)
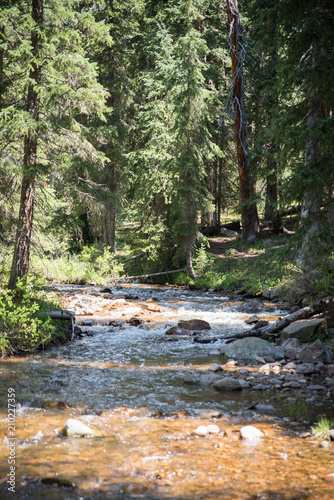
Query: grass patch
point(322, 429)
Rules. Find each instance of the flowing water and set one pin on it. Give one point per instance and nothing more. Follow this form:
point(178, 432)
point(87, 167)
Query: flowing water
point(134, 383)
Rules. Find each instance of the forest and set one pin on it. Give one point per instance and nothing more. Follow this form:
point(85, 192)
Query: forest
point(139, 128)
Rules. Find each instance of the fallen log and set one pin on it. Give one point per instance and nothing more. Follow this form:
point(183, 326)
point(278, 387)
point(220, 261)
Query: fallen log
point(304, 313)
point(125, 278)
point(63, 315)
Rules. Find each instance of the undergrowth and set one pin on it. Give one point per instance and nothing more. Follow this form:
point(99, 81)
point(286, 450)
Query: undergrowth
point(24, 323)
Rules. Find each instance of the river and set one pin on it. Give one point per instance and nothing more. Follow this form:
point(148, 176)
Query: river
point(138, 386)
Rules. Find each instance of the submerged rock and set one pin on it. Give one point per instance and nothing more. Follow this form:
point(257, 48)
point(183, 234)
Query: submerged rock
point(251, 348)
point(58, 481)
point(228, 384)
point(75, 427)
point(250, 432)
point(176, 330)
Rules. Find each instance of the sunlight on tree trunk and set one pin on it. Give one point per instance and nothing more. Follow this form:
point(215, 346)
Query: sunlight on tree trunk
point(249, 215)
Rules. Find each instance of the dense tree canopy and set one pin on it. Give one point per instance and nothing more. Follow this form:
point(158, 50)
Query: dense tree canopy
point(124, 111)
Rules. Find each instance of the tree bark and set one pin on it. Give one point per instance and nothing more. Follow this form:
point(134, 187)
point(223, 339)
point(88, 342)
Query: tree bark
point(249, 215)
point(20, 264)
point(189, 251)
point(270, 212)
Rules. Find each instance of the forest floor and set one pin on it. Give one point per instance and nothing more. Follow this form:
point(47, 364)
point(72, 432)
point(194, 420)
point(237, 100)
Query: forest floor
point(220, 245)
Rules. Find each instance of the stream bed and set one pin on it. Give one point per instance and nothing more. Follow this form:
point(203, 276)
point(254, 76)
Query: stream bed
point(128, 379)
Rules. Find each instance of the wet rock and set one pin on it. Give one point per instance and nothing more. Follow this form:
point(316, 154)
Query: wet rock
point(252, 320)
point(210, 340)
point(153, 307)
point(215, 368)
point(75, 427)
point(209, 414)
point(316, 388)
point(202, 430)
point(250, 432)
point(227, 384)
point(243, 371)
point(176, 330)
point(194, 324)
point(290, 366)
point(315, 353)
point(251, 347)
point(302, 328)
point(231, 363)
point(331, 434)
point(107, 290)
point(59, 405)
point(59, 481)
point(261, 387)
point(135, 321)
point(78, 331)
point(244, 383)
point(307, 369)
point(265, 408)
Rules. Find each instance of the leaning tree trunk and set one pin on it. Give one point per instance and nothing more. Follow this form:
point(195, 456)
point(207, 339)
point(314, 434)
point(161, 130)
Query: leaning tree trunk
point(20, 264)
point(249, 215)
point(189, 252)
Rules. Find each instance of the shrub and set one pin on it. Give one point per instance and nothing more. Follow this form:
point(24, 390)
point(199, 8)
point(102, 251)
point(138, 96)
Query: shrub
point(24, 324)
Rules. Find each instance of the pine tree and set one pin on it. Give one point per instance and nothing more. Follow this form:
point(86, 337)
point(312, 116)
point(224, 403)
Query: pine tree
point(50, 86)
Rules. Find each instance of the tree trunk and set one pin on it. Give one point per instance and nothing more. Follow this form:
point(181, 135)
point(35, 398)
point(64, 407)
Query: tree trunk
point(20, 264)
point(270, 212)
point(110, 212)
point(189, 251)
point(249, 215)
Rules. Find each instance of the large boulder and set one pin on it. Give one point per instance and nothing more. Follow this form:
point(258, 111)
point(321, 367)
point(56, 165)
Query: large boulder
point(302, 329)
point(228, 384)
point(251, 348)
point(315, 353)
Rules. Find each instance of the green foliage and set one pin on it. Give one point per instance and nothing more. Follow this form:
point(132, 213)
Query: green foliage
point(322, 429)
point(297, 409)
point(91, 265)
point(24, 325)
point(202, 260)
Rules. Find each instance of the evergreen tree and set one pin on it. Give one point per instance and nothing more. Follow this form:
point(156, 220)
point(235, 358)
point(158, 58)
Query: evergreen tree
point(50, 86)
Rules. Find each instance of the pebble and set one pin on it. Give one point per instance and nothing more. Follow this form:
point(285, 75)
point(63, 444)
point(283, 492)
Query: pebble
point(265, 408)
point(324, 444)
point(210, 414)
point(243, 371)
point(250, 432)
point(215, 368)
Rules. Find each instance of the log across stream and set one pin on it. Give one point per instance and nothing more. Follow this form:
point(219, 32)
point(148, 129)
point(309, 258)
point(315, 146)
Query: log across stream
point(143, 391)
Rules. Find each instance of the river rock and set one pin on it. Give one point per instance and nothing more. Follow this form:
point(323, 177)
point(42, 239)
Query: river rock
point(194, 324)
point(264, 408)
point(251, 347)
point(307, 369)
point(315, 353)
point(59, 481)
point(250, 432)
point(75, 427)
point(202, 430)
point(291, 343)
point(227, 384)
point(176, 330)
point(215, 368)
point(252, 320)
point(303, 329)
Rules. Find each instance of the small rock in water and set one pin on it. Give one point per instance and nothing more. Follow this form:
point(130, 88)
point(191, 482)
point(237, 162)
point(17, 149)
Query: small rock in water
point(261, 387)
point(324, 444)
point(176, 330)
point(213, 429)
point(135, 321)
point(75, 427)
point(215, 368)
point(252, 320)
point(231, 363)
point(227, 384)
point(202, 430)
point(58, 481)
point(265, 408)
point(194, 324)
point(210, 414)
point(250, 432)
